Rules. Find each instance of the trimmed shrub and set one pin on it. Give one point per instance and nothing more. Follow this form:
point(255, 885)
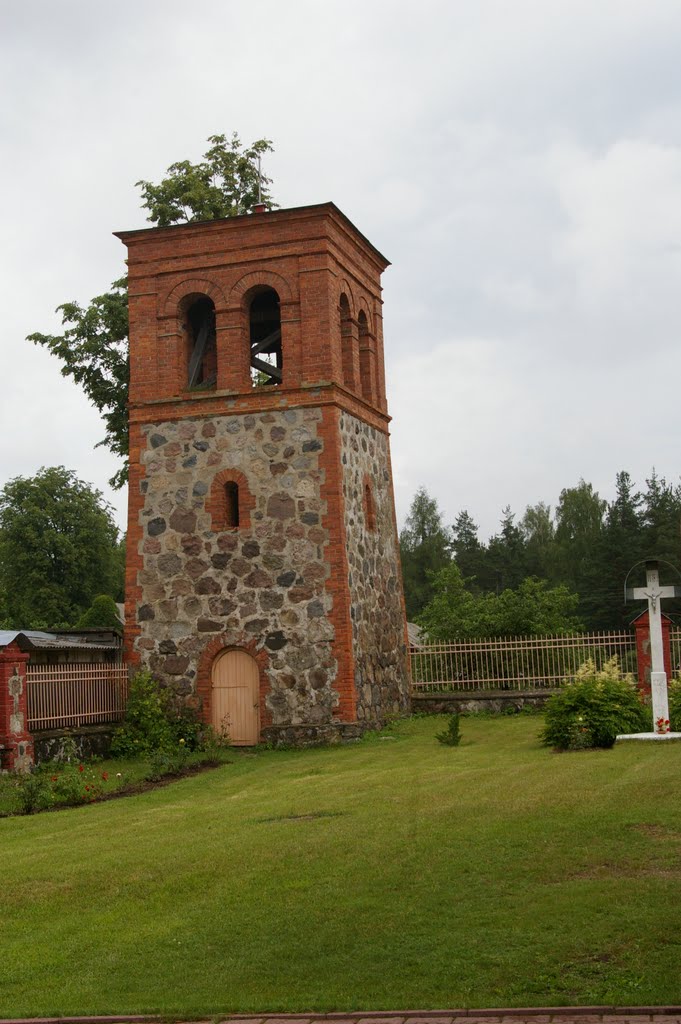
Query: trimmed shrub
point(591, 710)
point(102, 614)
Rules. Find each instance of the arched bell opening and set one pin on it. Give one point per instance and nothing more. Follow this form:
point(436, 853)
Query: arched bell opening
point(348, 343)
point(365, 357)
point(197, 313)
point(264, 320)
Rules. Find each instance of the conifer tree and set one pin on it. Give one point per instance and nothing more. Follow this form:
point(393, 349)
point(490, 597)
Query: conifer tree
point(425, 548)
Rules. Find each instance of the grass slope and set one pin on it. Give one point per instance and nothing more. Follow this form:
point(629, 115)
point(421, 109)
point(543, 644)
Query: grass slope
point(392, 873)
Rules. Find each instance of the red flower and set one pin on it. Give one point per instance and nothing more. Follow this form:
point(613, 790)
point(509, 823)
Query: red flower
point(53, 778)
point(105, 775)
point(80, 768)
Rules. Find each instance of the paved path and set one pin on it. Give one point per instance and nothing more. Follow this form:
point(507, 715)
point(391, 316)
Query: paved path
point(526, 1015)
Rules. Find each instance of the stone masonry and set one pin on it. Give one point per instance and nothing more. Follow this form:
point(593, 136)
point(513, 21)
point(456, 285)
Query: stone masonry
point(373, 577)
point(265, 584)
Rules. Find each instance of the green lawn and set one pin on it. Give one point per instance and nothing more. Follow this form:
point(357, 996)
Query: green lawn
point(393, 873)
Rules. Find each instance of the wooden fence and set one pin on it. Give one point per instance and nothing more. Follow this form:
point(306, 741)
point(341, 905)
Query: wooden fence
point(71, 695)
point(516, 663)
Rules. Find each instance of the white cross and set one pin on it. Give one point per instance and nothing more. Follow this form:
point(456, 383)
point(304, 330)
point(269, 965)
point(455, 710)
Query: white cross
point(653, 594)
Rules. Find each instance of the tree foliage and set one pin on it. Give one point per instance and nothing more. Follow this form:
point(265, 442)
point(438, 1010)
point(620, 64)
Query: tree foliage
point(223, 184)
point(94, 351)
point(93, 348)
point(102, 614)
point(534, 608)
point(425, 547)
point(586, 547)
point(58, 549)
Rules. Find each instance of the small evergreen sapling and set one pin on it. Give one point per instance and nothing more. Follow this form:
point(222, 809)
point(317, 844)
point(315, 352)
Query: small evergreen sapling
point(451, 737)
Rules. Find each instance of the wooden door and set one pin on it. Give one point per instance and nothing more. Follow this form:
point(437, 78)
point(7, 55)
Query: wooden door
point(235, 697)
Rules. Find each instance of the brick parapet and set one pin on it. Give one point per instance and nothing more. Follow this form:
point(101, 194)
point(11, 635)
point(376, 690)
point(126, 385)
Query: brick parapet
point(277, 231)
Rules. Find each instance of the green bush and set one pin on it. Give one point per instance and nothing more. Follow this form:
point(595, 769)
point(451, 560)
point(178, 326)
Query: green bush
point(77, 783)
point(33, 791)
point(163, 763)
point(184, 723)
point(155, 720)
point(593, 709)
point(675, 705)
point(214, 744)
point(451, 737)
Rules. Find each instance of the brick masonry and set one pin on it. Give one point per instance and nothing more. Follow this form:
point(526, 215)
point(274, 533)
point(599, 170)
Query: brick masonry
point(16, 743)
point(308, 582)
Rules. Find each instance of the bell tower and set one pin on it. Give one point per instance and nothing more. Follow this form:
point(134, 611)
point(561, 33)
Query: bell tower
point(263, 577)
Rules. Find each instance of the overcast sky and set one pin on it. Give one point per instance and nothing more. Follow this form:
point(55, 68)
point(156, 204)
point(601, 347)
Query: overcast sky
point(518, 161)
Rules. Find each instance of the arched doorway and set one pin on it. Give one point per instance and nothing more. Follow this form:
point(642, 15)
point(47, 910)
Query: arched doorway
point(235, 695)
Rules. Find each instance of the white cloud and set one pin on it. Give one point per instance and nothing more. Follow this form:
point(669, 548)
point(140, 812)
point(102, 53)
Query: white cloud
point(623, 212)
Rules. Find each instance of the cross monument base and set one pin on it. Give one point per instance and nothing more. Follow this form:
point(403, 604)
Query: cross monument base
point(648, 736)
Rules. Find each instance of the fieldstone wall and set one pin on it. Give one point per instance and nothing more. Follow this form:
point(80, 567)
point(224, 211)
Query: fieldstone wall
point(495, 702)
point(90, 741)
point(264, 584)
point(378, 625)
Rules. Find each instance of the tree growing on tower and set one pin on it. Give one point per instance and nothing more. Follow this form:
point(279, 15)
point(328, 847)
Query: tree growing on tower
point(93, 348)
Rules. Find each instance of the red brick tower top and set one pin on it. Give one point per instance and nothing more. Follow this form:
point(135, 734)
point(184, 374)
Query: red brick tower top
point(258, 309)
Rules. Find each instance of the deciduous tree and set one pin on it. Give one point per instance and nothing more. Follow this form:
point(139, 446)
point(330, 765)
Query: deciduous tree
point(224, 184)
point(93, 350)
point(533, 608)
point(539, 533)
point(58, 549)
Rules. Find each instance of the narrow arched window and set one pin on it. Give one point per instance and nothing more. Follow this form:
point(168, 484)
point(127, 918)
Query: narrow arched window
point(347, 343)
point(230, 502)
point(365, 357)
point(369, 507)
point(264, 318)
point(231, 505)
point(202, 363)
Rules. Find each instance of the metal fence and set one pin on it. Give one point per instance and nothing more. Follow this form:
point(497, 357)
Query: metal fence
point(67, 696)
point(675, 650)
point(516, 663)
